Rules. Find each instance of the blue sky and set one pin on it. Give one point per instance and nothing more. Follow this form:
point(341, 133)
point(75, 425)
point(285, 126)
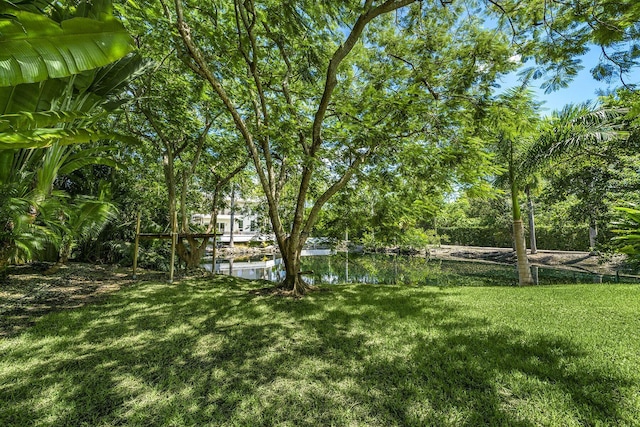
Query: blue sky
point(582, 88)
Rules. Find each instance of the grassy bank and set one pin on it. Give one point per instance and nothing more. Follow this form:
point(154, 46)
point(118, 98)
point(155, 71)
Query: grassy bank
point(212, 352)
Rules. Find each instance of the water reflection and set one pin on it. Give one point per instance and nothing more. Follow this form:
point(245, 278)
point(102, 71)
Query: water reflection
point(394, 269)
point(252, 268)
point(264, 267)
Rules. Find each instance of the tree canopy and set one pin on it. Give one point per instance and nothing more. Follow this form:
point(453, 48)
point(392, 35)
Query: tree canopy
point(395, 102)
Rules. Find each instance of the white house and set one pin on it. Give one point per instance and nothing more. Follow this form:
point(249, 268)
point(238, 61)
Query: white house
point(246, 223)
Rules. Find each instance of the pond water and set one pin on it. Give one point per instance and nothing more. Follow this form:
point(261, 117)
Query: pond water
point(394, 269)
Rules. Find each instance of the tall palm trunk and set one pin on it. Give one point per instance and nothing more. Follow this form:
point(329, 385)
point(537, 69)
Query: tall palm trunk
point(524, 273)
point(532, 223)
point(593, 234)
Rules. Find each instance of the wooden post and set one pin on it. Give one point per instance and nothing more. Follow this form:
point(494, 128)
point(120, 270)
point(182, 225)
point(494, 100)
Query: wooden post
point(135, 246)
point(174, 235)
point(233, 214)
point(215, 249)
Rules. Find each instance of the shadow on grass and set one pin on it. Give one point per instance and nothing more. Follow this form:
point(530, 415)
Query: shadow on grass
point(210, 352)
point(29, 291)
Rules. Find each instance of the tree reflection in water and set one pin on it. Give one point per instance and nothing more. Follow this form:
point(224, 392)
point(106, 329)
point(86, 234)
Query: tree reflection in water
point(400, 270)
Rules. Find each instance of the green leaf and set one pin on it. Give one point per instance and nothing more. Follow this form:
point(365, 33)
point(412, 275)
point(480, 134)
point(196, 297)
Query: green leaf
point(27, 120)
point(41, 138)
point(6, 159)
point(76, 164)
point(35, 48)
point(111, 78)
point(31, 97)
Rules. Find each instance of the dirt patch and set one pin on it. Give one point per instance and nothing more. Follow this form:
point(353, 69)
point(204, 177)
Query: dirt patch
point(28, 292)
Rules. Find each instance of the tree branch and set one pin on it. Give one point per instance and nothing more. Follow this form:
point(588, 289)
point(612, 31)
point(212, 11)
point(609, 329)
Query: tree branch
point(330, 84)
point(333, 189)
point(340, 54)
point(205, 71)
point(422, 79)
point(248, 23)
point(285, 86)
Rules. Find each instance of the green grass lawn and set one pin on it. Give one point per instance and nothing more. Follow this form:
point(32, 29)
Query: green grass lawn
point(211, 352)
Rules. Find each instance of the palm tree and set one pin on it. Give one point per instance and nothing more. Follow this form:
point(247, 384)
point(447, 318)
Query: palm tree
point(628, 230)
point(531, 184)
point(21, 238)
point(85, 218)
point(576, 129)
point(514, 120)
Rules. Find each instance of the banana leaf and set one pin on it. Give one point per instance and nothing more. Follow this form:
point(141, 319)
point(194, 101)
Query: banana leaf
point(41, 138)
point(34, 48)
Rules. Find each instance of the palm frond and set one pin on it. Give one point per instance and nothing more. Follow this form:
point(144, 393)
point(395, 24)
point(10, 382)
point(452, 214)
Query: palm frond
point(627, 228)
point(574, 128)
point(87, 157)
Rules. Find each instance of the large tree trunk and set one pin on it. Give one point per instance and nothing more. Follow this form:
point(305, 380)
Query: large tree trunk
point(293, 279)
point(188, 248)
point(532, 223)
point(192, 252)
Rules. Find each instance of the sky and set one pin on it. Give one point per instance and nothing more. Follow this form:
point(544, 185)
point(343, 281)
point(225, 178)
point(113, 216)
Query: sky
point(582, 88)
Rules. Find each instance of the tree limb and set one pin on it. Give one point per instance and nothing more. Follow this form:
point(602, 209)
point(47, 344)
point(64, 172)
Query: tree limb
point(333, 189)
point(194, 52)
point(422, 79)
point(340, 54)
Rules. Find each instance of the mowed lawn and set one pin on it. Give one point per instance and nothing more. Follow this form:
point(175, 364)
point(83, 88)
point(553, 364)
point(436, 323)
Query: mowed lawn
point(214, 352)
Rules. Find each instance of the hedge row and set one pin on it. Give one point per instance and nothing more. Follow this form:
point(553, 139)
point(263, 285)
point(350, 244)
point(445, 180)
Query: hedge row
point(567, 238)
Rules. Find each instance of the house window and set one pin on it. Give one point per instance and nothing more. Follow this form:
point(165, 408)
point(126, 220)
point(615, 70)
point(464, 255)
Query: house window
point(221, 227)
